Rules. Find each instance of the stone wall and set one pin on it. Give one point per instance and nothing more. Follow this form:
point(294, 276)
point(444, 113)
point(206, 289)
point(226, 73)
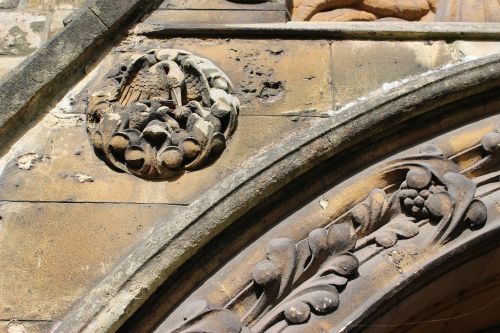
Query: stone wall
point(67, 219)
point(25, 25)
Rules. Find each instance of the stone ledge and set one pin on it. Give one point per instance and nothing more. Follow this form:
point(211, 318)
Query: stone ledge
point(224, 5)
point(329, 30)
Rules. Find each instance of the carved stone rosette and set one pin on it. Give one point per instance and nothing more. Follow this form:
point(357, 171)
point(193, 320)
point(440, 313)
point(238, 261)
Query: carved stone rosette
point(166, 112)
point(298, 280)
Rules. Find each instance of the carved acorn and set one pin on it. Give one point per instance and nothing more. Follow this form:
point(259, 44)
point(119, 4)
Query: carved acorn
point(190, 147)
point(171, 157)
point(135, 157)
point(476, 214)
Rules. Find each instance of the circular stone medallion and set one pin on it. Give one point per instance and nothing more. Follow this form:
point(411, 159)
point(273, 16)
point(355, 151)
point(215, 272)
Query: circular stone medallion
point(166, 112)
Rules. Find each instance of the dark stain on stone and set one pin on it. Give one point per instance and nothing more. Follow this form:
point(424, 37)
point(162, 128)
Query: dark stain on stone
point(271, 91)
point(276, 51)
point(37, 26)
point(15, 43)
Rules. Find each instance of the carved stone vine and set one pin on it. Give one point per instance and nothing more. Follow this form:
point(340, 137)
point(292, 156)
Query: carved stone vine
point(166, 112)
point(297, 280)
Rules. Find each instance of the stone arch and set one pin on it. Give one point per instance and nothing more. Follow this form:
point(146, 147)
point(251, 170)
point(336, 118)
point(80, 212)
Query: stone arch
point(400, 112)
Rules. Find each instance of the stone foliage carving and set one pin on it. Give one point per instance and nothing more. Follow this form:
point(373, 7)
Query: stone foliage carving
point(296, 281)
point(166, 112)
point(394, 10)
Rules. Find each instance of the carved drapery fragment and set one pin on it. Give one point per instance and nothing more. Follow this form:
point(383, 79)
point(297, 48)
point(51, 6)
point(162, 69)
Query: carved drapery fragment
point(296, 281)
point(396, 10)
point(165, 112)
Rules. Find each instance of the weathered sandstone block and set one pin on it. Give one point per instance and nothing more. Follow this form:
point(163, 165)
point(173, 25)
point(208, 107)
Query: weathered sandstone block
point(344, 15)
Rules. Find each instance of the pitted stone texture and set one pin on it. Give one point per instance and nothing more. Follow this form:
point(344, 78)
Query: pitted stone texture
point(272, 77)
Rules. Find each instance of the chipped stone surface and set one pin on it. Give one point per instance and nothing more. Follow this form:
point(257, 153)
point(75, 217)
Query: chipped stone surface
point(68, 247)
point(248, 186)
point(469, 49)
point(17, 328)
point(323, 203)
point(26, 161)
point(83, 178)
point(71, 153)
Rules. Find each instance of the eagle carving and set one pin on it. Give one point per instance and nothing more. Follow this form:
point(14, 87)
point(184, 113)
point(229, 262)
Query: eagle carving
point(165, 112)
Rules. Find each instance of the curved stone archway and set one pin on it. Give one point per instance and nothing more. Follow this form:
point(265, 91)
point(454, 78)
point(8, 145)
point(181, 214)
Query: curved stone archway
point(399, 118)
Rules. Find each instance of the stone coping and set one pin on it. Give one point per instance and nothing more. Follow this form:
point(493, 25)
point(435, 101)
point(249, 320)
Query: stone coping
point(174, 241)
point(329, 30)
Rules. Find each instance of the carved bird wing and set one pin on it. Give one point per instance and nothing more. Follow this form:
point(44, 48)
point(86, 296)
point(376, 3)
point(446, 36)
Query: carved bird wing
point(197, 87)
point(142, 82)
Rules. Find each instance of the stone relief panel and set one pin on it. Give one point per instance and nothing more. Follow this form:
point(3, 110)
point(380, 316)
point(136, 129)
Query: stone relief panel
point(432, 202)
point(396, 10)
point(165, 112)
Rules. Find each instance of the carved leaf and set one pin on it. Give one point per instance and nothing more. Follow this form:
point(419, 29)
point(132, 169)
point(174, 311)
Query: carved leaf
point(401, 226)
point(201, 318)
point(344, 265)
point(371, 212)
point(286, 275)
point(322, 299)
